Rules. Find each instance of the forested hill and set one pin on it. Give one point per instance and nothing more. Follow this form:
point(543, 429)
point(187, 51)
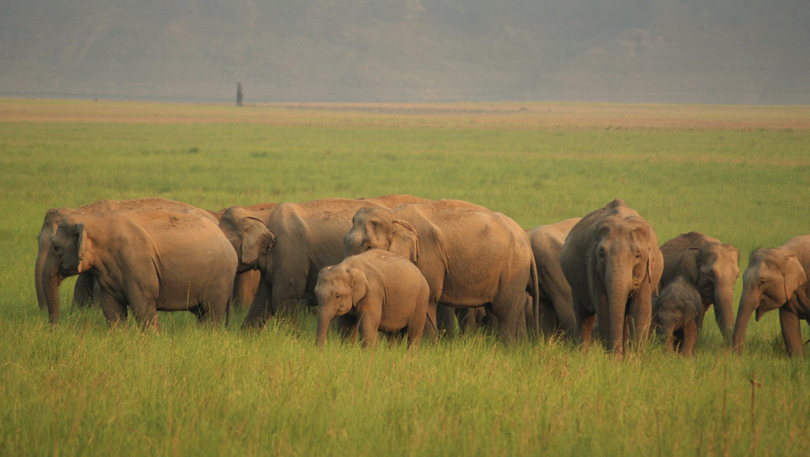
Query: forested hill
point(707, 51)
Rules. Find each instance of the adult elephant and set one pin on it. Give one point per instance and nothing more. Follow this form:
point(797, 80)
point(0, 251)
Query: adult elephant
point(83, 291)
point(777, 279)
point(470, 256)
point(613, 264)
point(710, 267)
point(147, 260)
point(290, 244)
point(556, 308)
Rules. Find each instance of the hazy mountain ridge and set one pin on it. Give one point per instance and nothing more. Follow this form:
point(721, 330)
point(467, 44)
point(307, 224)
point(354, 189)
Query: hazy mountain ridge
point(716, 51)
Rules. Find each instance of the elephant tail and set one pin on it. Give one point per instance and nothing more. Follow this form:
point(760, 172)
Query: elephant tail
point(228, 313)
point(535, 294)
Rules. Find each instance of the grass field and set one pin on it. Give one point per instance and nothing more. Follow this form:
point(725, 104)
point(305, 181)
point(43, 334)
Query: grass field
point(741, 174)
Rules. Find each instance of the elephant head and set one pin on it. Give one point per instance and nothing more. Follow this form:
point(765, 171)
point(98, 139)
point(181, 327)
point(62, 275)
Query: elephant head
point(771, 279)
point(678, 306)
point(627, 260)
point(49, 226)
point(338, 290)
point(714, 270)
point(376, 228)
point(249, 236)
point(69, 253)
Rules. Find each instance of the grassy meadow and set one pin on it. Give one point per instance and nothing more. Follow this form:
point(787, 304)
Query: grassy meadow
point(739, 173)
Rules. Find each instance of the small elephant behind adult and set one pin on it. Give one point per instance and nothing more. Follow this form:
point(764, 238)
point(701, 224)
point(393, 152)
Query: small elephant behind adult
point(247, 281)
point(711, 267)
point(471, 256)
point(613, 264)
point(678, 315)
point(556, 307)
point(289, 244)
point(381, 290)
point(777, 278)
point(147, 261)
point(85, 288)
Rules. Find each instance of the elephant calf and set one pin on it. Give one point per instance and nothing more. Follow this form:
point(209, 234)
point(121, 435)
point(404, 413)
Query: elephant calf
point(678, 316)
point(384, 291)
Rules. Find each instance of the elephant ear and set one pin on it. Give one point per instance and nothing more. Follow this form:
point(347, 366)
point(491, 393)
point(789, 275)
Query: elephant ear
point(405, 240)
point(794, 275)
point(359, 284)
point(689, 264)
point(257, 240)
point(82, 248)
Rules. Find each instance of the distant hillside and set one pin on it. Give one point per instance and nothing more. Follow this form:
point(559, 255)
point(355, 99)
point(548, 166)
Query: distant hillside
point(712, 51)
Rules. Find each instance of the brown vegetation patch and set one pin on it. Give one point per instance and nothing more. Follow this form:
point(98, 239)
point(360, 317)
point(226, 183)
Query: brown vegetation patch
point(510, 116)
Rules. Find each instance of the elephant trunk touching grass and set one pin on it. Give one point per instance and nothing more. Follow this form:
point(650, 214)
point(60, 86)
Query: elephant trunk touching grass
point(777, 279)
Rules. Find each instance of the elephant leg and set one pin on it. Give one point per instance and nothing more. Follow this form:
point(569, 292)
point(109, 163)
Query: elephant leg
point(446, 320)
point(84, 290)
point(114, 311)
point(431, 329)
point(547, 318)
point(466, 320)
point(415, 329)
point(259, 312)
point(690, 334)
point(245, 286)
point(144, 308)
point(640, 315)
point(791, 332)
point(346, 327)
point(585, 326)
point(288, 289)
point(367, 326)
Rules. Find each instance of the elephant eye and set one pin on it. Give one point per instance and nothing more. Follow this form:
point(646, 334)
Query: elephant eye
point(368, 247)
point(57, 249)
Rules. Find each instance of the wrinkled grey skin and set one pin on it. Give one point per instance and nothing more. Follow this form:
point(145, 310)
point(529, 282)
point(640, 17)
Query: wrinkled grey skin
point(85, 288)
point(710, 267)
point(556, 305)
point(678, 315)
point(146, 260)
point(777, 279)
point(380, 290)
point(613, 264)
point(289, 245)
point(470, 256)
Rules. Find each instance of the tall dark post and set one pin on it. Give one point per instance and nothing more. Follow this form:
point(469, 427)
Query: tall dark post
point(238, 94)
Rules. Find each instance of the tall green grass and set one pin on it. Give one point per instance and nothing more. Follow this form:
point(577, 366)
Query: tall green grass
point(84, 389)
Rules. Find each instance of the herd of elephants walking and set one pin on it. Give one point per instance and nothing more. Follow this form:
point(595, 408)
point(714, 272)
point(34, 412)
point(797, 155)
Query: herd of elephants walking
point(405, 265)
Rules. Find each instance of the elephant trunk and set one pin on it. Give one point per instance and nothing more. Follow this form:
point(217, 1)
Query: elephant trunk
point(748, 304)
point(724, 310)
point(38, 270)
point(618, 289)
point(325, 317)
point(50, 280)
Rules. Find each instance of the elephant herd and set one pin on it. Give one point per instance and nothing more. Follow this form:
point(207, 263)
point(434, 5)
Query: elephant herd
point(406, 265)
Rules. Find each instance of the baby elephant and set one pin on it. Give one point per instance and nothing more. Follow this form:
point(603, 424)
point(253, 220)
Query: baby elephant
point(678, 316)
point(381, 290)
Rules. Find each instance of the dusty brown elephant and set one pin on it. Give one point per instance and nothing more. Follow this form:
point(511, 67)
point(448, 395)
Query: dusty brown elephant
point(556, 305)
point(710, 267)
point(777, 278)
point(678, 315)
point(146, 260)
point(290, 244)
point(247, 282)
point(470, 256)
point(382, 291)
point(84, 288)
point(613, 264)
